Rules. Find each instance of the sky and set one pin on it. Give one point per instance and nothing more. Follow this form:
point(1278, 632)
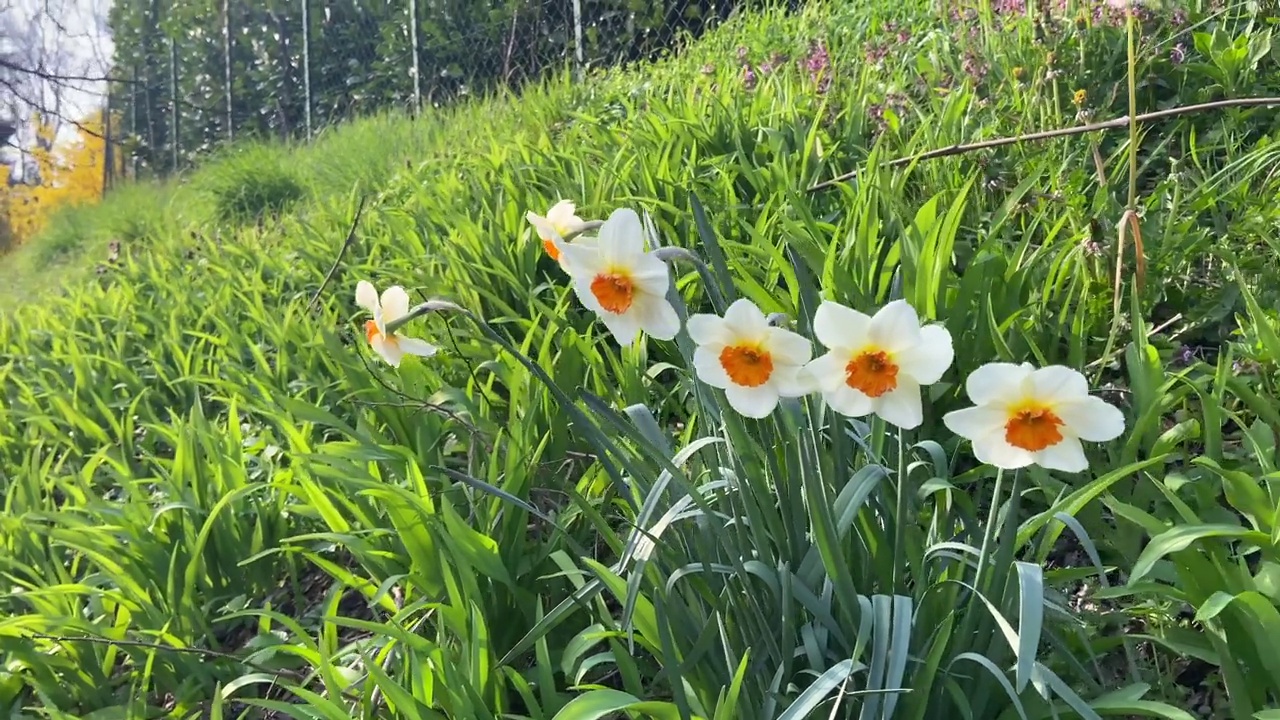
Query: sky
point(76, 30)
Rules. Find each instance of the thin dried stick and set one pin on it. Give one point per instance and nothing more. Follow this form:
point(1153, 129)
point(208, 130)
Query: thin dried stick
point(351, 238)
point(1116, 124)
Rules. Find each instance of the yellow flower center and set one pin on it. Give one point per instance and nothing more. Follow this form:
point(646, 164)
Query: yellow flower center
point(872, 372)
point(1033, 428)
point(615, 291)
point(747, 365)
point(371, 330)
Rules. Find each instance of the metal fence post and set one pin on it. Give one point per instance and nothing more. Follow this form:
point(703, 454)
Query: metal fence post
point(108, 152)
point(306, 64)
point(413, 44)
point(226, 56)
point(173, 85)
point(133, 122)
point(577, 38)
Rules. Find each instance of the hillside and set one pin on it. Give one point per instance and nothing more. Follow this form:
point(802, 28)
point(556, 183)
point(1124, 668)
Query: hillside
point(219, 499)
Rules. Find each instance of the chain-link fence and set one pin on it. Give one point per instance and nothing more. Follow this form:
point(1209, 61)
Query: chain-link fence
point(193, 74)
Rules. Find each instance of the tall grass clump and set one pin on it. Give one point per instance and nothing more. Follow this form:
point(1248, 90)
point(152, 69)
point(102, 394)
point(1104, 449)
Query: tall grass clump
point(251, 184)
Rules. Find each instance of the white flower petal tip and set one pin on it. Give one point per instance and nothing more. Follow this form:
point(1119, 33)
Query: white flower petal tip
point(1024, 416)
point(560, 220)
point(754, 363)
point(391, 305)
point(621, 283)
point(878, 364)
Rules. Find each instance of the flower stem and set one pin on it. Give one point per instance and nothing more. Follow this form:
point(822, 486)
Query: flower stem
point(900, 521)
point(671, 253)
point(420, 310)
point(989, 532)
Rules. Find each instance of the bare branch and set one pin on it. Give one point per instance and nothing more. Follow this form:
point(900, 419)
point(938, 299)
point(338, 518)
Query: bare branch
point(55, 76)
point(1117, 123)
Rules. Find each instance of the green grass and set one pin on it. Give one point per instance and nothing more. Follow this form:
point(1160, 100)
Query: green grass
point(217, 500)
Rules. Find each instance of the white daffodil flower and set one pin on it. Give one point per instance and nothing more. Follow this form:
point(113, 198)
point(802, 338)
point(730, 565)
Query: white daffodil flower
point(393, 305)
point(1024, 416)
point(878, 364)
point(560, 220)
point(753, 362)
point(616, 279)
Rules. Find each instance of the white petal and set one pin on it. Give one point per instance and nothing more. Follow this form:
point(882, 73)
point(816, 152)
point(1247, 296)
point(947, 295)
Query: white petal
point(707, 329)
point(1058, 383)
point(896, 327)
point(928, 360)
point(367, 296)
point(756, 402)
point(395, 303)
point(828, 370)
point(414, 346)
point(1066, 456)
point(621, 237)
point(656, 316)
point(1091, 419)
point(996, 382)
point(389, 350)
point(624, 327)
point(838, 326)
point(793, 381)
point(562, 214)
point(848, 401)
point(787, 347)
point(993, 449)
point(976, 422)
point(745, 319)
point(902, 405)
point(580, 259)
point(706, 364)
point(650, 275)
point(541, 225)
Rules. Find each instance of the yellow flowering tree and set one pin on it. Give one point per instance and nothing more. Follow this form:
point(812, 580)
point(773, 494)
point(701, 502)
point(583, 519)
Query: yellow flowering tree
point(72, 171)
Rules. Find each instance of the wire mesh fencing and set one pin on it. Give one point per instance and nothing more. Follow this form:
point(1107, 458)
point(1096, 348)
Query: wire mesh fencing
point(194, 74)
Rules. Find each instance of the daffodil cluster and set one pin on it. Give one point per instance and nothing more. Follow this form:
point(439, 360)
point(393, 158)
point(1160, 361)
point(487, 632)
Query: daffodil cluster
point(872, 364)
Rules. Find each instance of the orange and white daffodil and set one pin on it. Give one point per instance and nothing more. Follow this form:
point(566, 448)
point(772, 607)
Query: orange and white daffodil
point(1025, 416)
point(560, 220)
point(616, 279)
point(878, 364)
point(754, 362)
point(393, 305)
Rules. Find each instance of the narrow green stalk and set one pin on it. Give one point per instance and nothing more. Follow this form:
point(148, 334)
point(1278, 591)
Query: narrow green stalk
point(900, 520)
point(989, 531)
point(1132, 205)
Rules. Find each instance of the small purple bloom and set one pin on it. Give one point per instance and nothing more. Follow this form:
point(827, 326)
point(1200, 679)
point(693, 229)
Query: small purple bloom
point(749, 78)
point(1178, 54)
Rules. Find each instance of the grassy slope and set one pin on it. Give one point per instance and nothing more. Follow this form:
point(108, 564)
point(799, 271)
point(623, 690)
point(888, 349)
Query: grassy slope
point(179, 420)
